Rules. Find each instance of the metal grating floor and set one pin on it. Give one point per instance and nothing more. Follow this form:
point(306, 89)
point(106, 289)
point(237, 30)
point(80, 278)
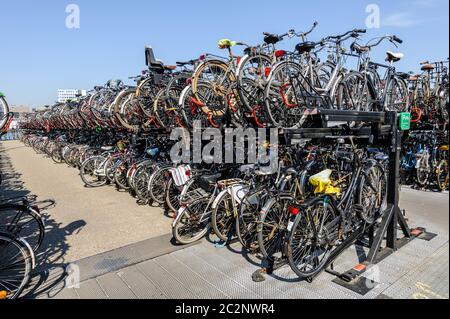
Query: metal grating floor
point(418, 270)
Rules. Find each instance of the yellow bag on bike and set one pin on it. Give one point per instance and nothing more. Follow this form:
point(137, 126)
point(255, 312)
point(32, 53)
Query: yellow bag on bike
point(323, 184)
point(226, 43)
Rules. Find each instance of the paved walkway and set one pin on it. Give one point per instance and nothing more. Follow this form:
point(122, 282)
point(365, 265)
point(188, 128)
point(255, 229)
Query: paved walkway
point(154, 268)
point(83, 221)
point(418, 270)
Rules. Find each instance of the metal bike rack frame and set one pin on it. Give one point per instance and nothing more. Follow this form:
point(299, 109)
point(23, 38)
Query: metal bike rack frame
point(380, 129)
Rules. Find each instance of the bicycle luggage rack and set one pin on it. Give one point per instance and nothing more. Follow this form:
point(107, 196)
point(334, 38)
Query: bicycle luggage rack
point(382, 130)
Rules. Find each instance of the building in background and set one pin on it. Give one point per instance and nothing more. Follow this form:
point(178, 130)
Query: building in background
point(17, 110)
point(68, 94)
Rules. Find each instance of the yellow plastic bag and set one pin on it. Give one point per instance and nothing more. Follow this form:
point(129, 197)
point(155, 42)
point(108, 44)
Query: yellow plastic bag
point(323, 184)
point(226, 43)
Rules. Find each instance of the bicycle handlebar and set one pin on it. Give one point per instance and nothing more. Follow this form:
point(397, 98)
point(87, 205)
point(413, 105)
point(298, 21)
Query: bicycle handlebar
point(397, 39)
point(304, 34)
point(391, 38)
point(353, 33)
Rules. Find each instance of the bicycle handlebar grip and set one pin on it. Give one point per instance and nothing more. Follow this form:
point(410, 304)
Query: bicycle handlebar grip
point(397, 39)
point(360, 30)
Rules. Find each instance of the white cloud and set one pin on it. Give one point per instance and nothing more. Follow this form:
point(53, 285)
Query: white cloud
point(401, 20)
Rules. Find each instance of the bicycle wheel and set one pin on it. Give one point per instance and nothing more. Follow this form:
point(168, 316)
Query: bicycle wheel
point(283, 92)
point(118, 107)
point(308, 245)
point(4, 111)
point(157, 185)
point(56, 155)
point(23, 222)
point(91, 172)
point(442, 175)
point(141, 179)
point(247, 221)
point(120, 177)
point(173, 193)
point(193, 222)
point(217, 75)
point(397, 96)
point(145, 94)
point(222, 218)
point(443, 103)
point(188, 107)
point(252, 74)
point(166, 115)
point(16, 263)
point(423, 171)
point(353, 93)
point(371, 193)
point(272, 227)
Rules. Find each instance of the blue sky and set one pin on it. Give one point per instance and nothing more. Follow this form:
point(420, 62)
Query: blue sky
point(38, 54)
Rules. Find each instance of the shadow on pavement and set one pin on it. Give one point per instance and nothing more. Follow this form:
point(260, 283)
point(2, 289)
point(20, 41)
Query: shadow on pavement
point(50, 273)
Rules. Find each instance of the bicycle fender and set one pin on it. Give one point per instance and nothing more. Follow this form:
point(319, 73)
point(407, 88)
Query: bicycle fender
point(219, 198)
point(180, 213)
point(32, 255)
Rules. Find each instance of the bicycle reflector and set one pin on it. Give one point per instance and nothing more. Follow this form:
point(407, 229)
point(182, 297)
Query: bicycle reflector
point(293, 210)
point(280, 53)
point(188, 173)
point(202, 57)
point(3, 294)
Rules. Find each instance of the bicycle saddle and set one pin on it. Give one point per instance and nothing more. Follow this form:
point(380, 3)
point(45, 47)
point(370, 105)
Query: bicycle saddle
point(271, 38)
point(427, 67)
point(305, 47)
point(393, 56)
point(207, 181)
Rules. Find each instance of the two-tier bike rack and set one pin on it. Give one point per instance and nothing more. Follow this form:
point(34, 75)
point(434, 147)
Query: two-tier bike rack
point(380, 129)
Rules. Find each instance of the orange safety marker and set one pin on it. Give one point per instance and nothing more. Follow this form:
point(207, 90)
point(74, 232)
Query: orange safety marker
point(360, 267)
point(416, 232)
